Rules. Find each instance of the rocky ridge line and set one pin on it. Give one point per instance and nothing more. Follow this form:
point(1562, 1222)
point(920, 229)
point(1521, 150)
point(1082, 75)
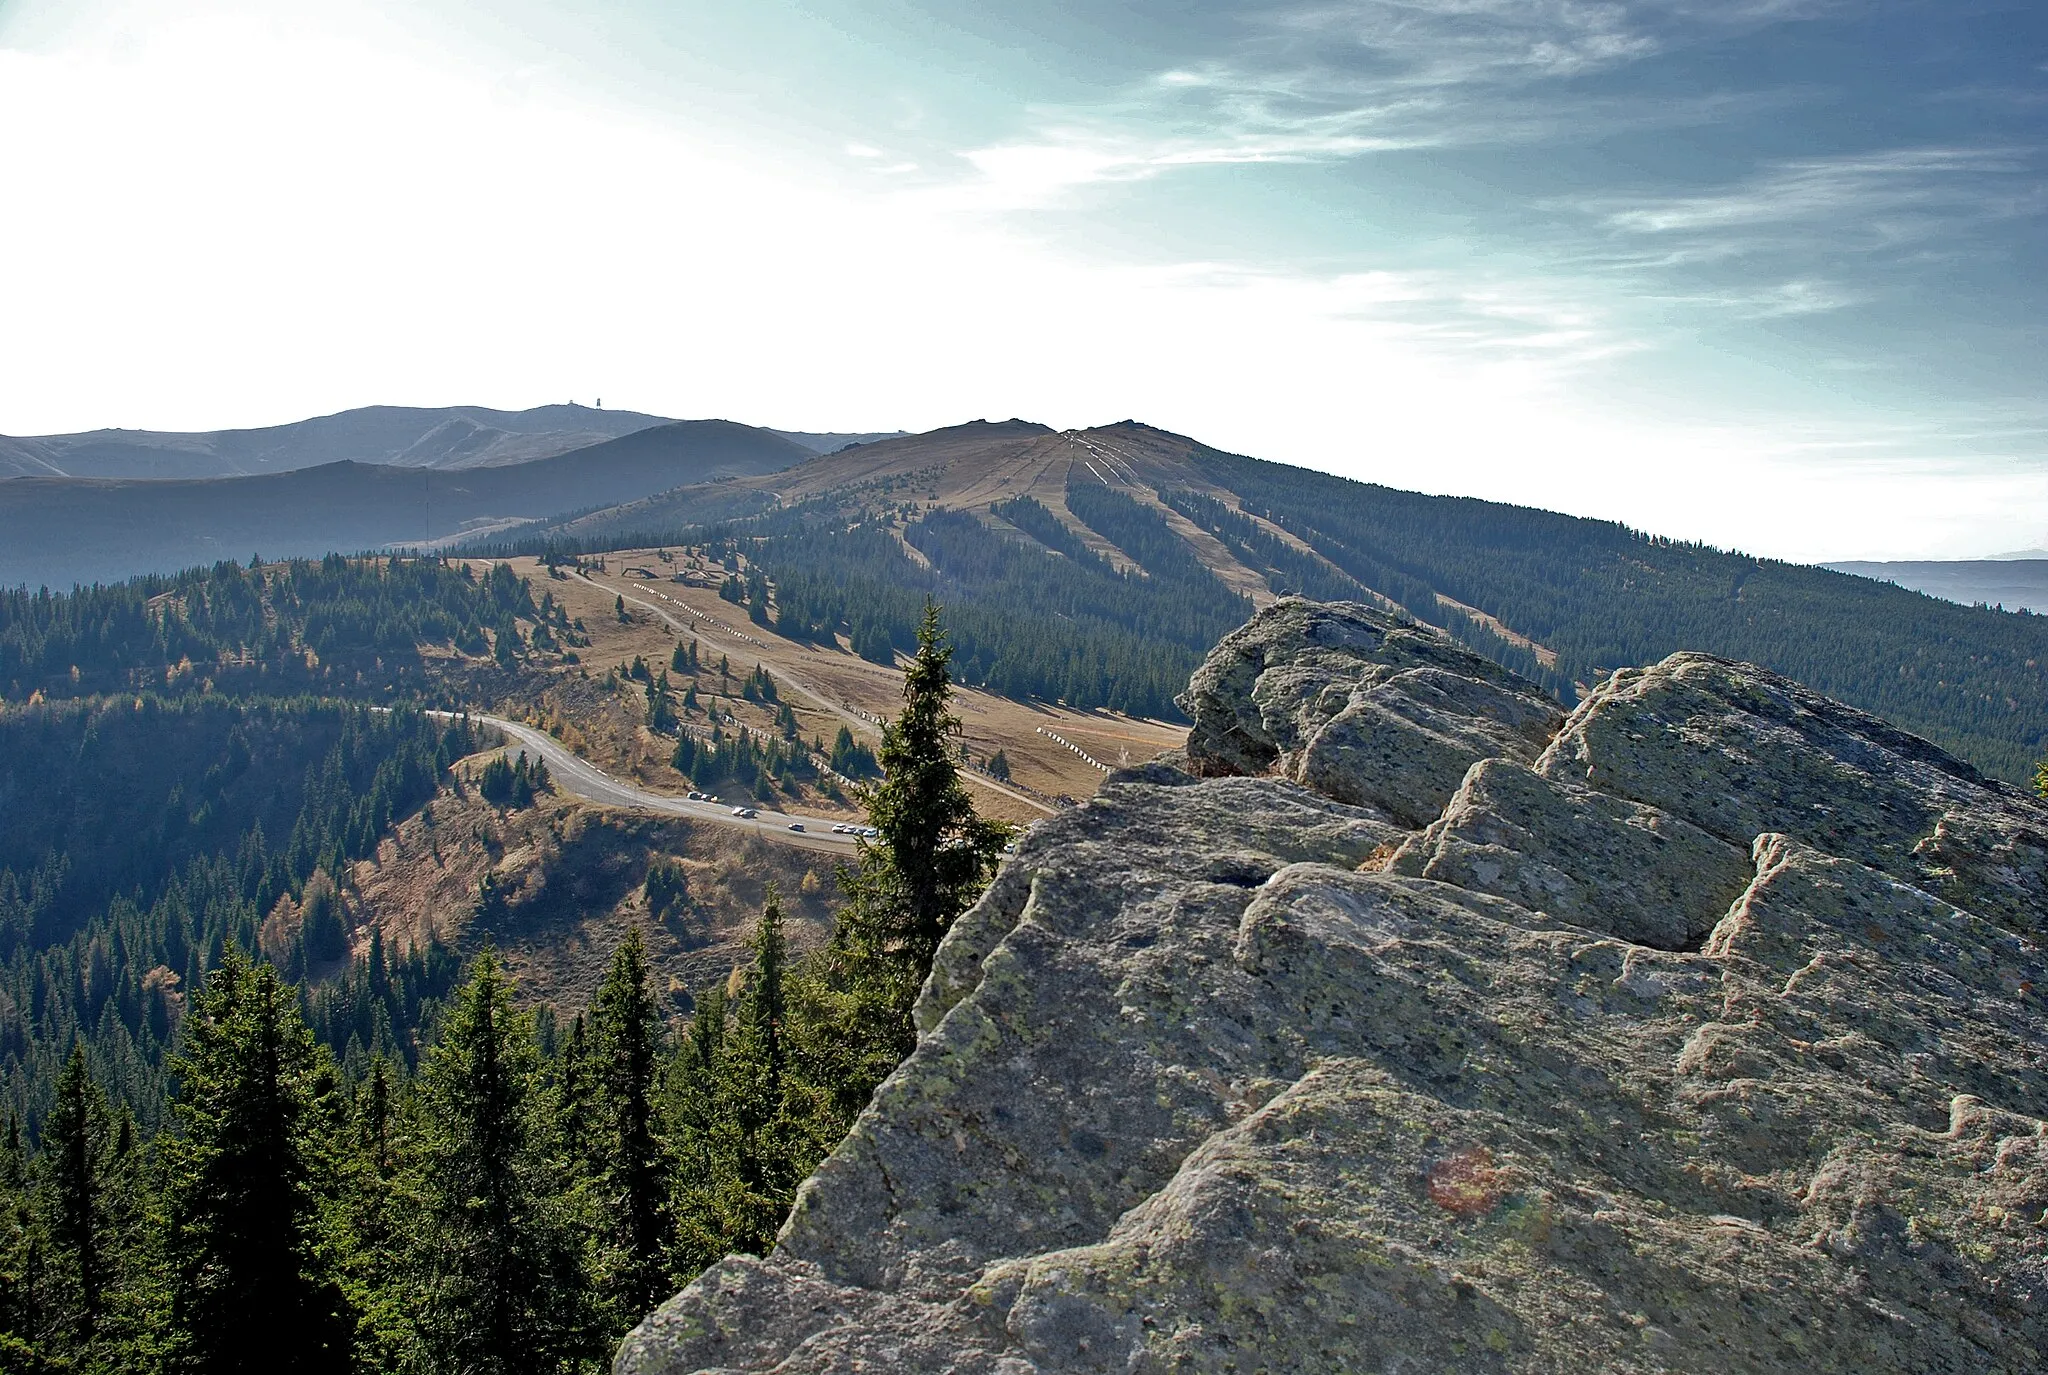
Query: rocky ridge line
point(1403, 1024)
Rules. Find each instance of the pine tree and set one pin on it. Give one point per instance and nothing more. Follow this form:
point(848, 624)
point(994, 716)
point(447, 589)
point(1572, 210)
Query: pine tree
point(502, 1288)
point(636, 1175)
point(250, 1290)
point(763, 1019)
point(933, 857)
point(783, 1127)
point(505, 642)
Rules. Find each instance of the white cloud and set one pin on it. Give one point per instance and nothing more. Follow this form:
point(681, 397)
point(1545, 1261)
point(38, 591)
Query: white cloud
point(1879, 199)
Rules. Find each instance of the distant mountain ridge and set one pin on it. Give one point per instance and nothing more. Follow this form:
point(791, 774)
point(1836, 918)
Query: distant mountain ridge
point(402, 436)
point(58, 531)
point(440, 437)
point(1092, 566)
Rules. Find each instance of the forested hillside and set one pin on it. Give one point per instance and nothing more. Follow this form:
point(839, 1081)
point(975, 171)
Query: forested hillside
point(144, 835)
point(352, 627)
point(1025, 622)
point(169, 785)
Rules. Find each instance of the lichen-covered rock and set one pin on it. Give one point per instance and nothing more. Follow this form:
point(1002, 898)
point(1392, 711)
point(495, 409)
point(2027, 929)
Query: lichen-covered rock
point(1359, 705)
point(1601, 862)
point(1231, 1074)
point(1738, 751)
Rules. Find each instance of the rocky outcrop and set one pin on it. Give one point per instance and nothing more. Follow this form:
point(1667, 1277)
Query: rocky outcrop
point(1700, 1032)
point(1360, 707)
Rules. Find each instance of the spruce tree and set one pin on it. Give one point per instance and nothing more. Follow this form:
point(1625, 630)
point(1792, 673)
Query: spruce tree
point(636, 1174)
point(743, 1151)
point(375, 1221)
point(250, 1290)
point(21, 1258)
point(759, 1093)
point(763, 1018)
point(502, 1287)
point(932, 859)
point(77, 1146)
point(575, 1094)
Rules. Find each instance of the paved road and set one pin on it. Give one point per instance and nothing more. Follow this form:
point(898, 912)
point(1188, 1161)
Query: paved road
point(860, 724)
point(575, 774)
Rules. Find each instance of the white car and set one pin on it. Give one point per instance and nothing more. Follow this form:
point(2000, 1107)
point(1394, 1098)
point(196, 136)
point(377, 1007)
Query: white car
point(744, 811)
point(870, 832)
point(700, 797)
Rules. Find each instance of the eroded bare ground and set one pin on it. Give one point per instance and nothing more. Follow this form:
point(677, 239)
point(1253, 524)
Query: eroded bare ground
point(573, 878)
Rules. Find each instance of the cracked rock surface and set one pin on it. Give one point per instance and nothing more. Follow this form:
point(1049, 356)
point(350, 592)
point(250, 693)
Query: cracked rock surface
point(1409, 1026)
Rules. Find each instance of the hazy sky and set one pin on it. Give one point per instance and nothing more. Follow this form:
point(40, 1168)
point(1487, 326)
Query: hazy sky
point(1770, 273)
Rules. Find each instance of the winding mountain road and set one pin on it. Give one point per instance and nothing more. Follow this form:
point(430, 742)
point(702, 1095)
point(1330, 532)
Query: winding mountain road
point(575, 774)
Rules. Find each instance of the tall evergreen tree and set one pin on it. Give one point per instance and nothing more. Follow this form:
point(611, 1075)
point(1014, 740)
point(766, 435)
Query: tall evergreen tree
point(635, 1183)
point(20, 1258)
point(770, 1114)
point(694, 1114)
point(576, 1105)
point(932, 859)
point(502, 1286)
point(76, 1161)
point(745, 1133)
point(250, 1291)
point(375, 1222)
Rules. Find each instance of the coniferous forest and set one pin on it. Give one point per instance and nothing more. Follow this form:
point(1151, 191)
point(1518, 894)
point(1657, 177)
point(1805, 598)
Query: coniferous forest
point(220, 1166)
point(334, 626)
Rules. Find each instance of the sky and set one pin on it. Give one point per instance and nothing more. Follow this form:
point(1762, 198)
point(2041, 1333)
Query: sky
point(1766, 273)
